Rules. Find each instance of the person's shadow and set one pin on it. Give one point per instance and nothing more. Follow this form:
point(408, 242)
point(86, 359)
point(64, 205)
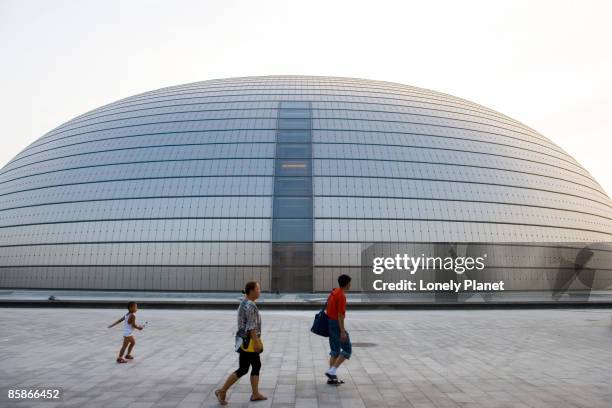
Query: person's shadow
point(570, 271)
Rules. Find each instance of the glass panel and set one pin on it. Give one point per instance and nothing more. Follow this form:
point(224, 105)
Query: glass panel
point(292, 186)
point(293, 207)
point(292, 230)
point(292, 254)
point(293, 150)
point(295, 105)
point(292, 278)
point(293, 136)
point(294, 113)
point(294, 123)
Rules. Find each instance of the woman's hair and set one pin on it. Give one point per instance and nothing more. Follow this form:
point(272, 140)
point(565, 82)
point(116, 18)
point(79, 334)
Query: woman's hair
point(130, 304)
point(250, 285)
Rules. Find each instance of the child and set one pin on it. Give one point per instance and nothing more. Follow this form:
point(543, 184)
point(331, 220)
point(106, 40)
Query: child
point(129, 324)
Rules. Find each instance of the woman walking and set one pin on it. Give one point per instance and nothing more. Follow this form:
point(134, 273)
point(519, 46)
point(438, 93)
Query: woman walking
point(249, 329)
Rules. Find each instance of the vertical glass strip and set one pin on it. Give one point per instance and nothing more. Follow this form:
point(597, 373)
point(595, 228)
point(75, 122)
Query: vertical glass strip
point(292, 218)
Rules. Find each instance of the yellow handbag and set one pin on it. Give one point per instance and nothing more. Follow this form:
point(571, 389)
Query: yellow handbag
point(251, 347)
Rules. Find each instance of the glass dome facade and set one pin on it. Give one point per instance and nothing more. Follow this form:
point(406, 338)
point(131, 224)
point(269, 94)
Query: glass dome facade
point(283, 179)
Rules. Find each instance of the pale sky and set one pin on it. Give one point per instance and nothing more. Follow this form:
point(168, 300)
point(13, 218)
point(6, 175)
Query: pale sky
point(547, 64)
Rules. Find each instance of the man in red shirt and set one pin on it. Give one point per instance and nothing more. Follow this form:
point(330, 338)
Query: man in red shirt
point(339, 341)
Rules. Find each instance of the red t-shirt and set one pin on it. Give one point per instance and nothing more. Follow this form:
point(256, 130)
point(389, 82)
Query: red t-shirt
point(336, 303)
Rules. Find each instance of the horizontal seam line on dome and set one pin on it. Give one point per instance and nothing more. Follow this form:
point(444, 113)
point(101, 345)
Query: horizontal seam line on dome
point(246, 266)
point(173, 113)
point(426, 242)
point(442, 199)
point(442, 99)
point(468, 201)
point(269, 158)
point(317, 130)
point(485, 222)
point(314, 129)
point(299, 84)
point(539, 138)
point(314, 175)
point(287, 84)
point(447, 101)
point(523, 127)
point(303, 81)
point(270, 176)
point(136, 266)
point(117, 180)
point(359, 177)
point(487, 267)
point(133, 148)
point(275, 118)
point(324, 196)
point(134, 219)
point(103, 220)
point(313, 109)
point(549, 146)
point(314, 158)
point(130, 148)
point(345, 84)
point(124, 242)
point(451, 150)
point(537, 244)
point(519, 244)
point(418, 220)
point(146, 135)
point(137, 198)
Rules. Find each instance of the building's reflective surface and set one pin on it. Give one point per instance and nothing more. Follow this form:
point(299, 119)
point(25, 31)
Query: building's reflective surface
point(287, 180)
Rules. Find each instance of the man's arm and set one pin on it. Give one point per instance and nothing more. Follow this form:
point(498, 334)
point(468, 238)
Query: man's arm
point(117, 322)
point(341, 324)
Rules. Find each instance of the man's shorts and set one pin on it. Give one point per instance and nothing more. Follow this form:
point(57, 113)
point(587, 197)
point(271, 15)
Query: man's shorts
point(336, 346)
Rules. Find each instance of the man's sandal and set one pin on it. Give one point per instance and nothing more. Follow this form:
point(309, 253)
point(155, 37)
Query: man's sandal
point(335, 382)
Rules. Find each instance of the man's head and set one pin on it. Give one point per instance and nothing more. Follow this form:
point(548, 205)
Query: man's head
point(132, 307)
point(344, 281)
point(252, 290)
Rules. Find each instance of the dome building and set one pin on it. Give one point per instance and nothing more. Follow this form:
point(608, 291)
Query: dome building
point(292, 180)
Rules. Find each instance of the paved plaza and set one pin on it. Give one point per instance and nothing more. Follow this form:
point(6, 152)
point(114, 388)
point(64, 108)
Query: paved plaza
point(413, 358)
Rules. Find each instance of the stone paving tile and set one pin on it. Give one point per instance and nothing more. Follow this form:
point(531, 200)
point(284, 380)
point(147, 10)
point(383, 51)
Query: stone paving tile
point(421, 359)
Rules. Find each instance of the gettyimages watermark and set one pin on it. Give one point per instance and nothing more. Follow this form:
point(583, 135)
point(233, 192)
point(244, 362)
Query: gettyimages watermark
point(412, 265)
point(485, 268)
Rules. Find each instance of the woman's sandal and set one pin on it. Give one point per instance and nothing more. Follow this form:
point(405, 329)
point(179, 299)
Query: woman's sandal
point(129, 357)
point(221, 400)
point(121, 360)
point(260, 398)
